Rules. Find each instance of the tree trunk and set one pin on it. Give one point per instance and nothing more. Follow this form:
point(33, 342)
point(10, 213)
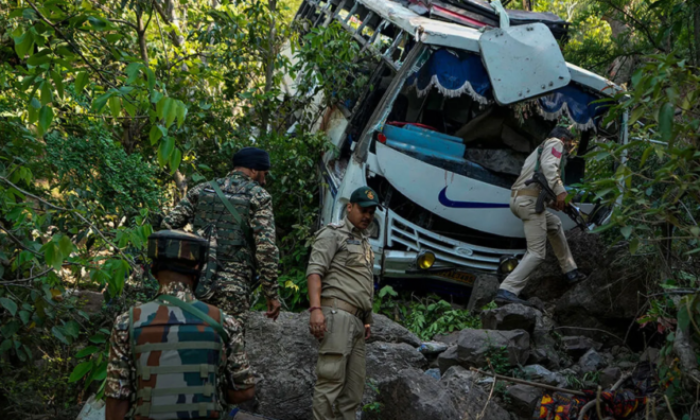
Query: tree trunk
point(269, 63)
point(622, 68)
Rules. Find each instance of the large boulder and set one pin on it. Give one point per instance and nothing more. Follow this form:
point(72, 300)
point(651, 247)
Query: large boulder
point(388, 331)
point(484, 291)
point(413, 395)
point(475, 346)
point(283, 356)
point(386, 360)
point(511, 317)
point(606, 300)
point(524, 399)
point(447, 359)
point(469, 399)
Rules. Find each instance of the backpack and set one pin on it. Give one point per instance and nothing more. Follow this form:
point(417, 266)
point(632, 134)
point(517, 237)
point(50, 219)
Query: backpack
point(177, 348)
point(223, 219)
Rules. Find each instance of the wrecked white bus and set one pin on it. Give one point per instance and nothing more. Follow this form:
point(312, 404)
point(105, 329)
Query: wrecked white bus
point(457, 100)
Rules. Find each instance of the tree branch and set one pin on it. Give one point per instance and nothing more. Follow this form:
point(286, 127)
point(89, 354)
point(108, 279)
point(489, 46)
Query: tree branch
point(76, 214)
point(125, 22)
point(17, 241)
point(70, 42)
point(43, 273)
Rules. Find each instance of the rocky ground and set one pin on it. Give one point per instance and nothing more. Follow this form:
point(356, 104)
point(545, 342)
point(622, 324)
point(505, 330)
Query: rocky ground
point(572, 338)
point(577, 336)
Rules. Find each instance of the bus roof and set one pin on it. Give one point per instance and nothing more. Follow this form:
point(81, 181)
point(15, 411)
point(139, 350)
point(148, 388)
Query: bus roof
point(451, 35)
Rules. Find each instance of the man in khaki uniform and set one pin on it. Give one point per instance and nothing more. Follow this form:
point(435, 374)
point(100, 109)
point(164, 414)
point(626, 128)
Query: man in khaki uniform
point(548, 158)
point(341, 287)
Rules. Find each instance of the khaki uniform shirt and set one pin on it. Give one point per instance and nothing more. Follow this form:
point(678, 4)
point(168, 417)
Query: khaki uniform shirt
point(343, 257)
point(121, 370)
point(550, 165)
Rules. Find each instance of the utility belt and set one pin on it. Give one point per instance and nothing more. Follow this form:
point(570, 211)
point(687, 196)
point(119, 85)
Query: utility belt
point(528, 192)
point(344, 306)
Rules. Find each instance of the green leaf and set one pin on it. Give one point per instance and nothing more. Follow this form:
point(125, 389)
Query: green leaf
point(80, 371)
point(165, 150)
point(695, 231)
point(130, 108)
point(58, 81)
point(6, 345)
point(175, 159)
point(71, 329)
point(151, 79)
point(9, 304)
point(626, 231)
point(45, 119)
point(100, 102)
point(59, 335)
point(42, 57)
point(132, 70)
point(155, 134)
point(46, 95)
point(100, 373)
point(52, 257)
point(24, 44)
point(87, 351)
point(181, 113)
point(636, 114)
point(666, 121)
point(25, 317)
point(98, 339)
point(80, 81)
point(115, 106)
point(97, 23)
point(65, 245)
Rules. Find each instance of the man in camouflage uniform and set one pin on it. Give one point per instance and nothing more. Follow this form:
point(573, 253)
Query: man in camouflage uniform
point(145, 382)
point(341, 287)
point(227, 278)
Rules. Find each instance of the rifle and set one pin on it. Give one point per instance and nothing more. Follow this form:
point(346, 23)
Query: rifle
point(547, 194)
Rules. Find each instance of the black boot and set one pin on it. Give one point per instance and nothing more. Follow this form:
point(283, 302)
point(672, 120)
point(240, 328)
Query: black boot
point(505, 297)
point(574, 276)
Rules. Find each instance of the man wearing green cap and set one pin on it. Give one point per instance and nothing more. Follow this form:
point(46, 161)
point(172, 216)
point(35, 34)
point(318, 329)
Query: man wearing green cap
point(341, 288)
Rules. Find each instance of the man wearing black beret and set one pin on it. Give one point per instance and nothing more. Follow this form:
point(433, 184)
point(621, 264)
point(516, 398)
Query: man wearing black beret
point(235, 214)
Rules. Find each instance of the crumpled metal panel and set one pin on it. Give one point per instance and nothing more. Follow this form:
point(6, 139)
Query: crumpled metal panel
point(523, 62)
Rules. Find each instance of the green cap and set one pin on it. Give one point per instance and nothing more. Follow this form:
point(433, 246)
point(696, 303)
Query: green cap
point(365, 197)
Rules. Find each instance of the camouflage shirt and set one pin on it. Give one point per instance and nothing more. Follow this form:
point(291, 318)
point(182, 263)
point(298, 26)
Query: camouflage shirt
point(121, 371)
point(262, 223)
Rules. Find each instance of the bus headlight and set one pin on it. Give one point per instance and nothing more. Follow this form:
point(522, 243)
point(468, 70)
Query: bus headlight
point(507, 264)
point(425, 259)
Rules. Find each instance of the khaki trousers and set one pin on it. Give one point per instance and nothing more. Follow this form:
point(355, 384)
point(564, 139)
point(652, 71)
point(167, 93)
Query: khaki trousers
point(538, 228)
point(341, 367)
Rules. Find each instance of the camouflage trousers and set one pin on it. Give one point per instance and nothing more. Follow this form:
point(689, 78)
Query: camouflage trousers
point(230, 289)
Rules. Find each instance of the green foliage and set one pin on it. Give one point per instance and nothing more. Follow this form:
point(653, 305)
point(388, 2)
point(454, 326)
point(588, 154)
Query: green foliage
point(425, 317)
point(374, 408)
point(110, 112)
point(497, 358)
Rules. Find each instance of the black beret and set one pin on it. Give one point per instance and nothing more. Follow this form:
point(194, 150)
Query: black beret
point(252, 158)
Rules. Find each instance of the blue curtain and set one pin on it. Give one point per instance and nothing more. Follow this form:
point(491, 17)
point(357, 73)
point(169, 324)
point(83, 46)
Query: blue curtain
point(456, 73)
point(453, 74)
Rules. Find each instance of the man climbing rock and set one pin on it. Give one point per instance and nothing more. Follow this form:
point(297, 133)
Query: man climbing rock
point(235, 214)
point(341, 285)
point(549, 159)
point(176, 357)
